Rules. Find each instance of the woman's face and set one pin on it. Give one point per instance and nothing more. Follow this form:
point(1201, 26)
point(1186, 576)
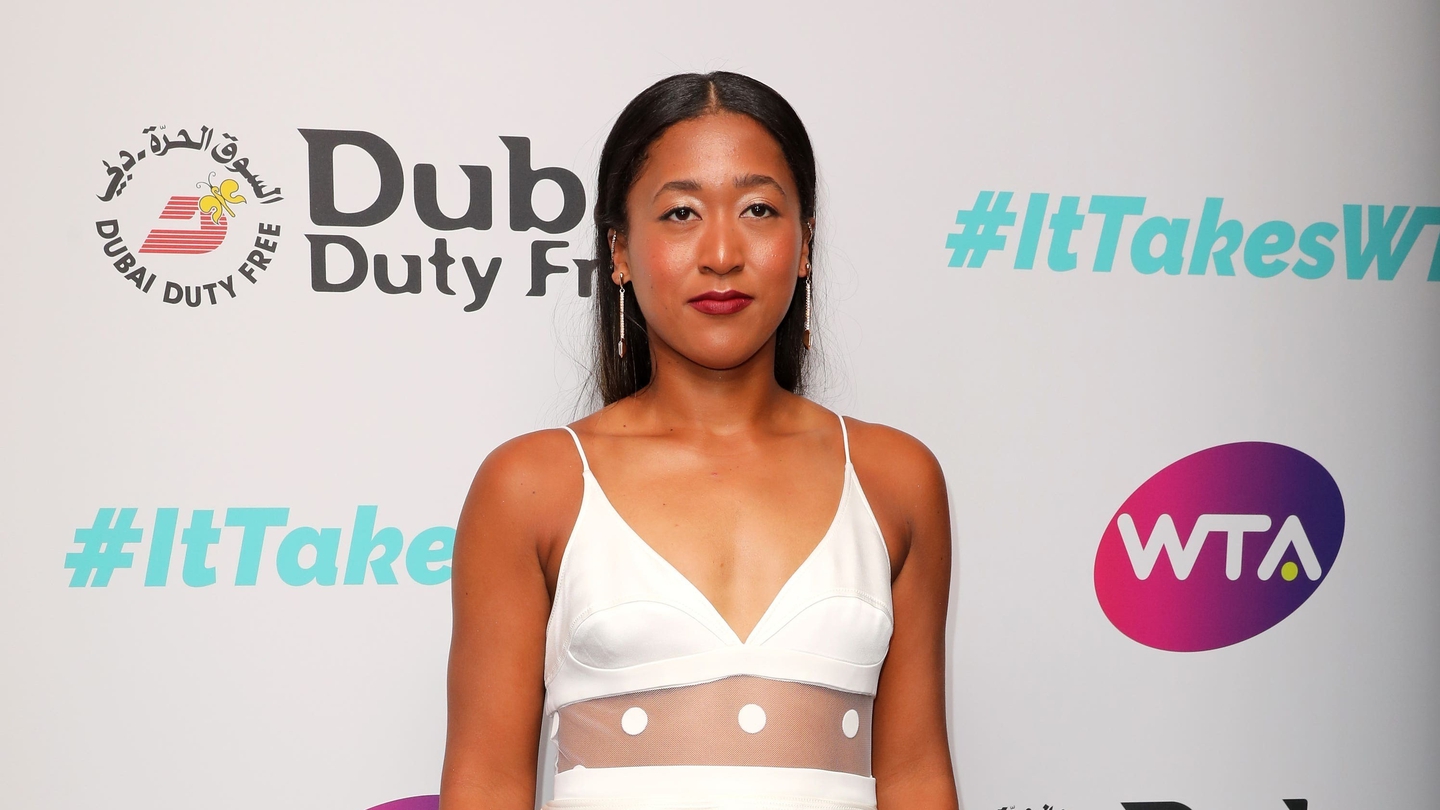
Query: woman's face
point(715, 240)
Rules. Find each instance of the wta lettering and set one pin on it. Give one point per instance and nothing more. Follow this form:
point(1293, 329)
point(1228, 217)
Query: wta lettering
point(1381, 249)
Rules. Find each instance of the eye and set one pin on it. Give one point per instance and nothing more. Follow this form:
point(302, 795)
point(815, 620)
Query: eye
point(759, 209)
point(680, 214)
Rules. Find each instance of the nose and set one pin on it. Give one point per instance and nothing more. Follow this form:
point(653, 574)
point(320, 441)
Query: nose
point(721, 250)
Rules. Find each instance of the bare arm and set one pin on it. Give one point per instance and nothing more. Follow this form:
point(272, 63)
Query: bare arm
point(911, 759)
point(524, 497)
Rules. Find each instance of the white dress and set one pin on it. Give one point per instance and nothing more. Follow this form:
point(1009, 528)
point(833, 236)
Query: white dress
point(652, 701)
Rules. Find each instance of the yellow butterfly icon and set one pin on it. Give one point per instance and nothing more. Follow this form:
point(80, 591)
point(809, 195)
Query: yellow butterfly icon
point(220, 199)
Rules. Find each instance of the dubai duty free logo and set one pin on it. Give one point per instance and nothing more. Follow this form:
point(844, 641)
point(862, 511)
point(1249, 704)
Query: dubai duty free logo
point(1219, 547)
point(184, 217)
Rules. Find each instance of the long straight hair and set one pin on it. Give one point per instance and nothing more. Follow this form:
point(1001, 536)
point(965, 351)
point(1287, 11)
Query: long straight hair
point(660, 106)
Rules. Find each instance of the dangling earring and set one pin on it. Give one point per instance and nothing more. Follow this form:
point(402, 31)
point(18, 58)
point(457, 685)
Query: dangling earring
point(810, 234)
point(622, 317)
point(620, 347)
point(808, 276)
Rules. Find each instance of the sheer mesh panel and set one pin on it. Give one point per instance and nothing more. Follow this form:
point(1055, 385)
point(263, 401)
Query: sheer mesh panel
point(804, 726)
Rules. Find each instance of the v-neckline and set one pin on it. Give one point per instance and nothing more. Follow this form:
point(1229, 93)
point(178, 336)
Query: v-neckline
point(695, 589)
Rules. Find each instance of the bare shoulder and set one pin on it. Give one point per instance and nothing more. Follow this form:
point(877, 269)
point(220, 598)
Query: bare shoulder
point(527, 489)
point(903, 482)
point(895, 456)
point(529, 459)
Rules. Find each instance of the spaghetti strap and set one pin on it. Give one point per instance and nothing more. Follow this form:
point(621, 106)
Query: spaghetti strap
point(845, 437)
point(585, 463)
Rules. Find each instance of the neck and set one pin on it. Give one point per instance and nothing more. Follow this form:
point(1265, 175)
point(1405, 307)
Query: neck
point(684, 394)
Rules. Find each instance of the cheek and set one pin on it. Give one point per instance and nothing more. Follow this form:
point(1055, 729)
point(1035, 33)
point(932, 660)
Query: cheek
point(775, 260)
point(667, 257)
point(773, 255)
point(659, 271)
point(666, 267)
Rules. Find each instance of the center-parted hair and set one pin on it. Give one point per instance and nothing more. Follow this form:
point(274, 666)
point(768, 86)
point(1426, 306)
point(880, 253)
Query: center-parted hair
point(660, 106)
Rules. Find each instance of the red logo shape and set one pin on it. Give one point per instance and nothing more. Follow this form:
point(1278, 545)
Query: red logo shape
point(191, 242)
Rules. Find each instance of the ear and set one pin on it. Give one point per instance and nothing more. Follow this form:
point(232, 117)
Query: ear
point(621, 259)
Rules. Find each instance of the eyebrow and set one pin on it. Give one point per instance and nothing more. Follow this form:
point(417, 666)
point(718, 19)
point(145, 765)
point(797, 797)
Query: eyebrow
point(678, 185)
point(755, 180)
point(746, 181)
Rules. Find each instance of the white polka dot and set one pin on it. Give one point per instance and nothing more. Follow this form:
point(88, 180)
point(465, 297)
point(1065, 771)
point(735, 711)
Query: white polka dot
point(555, 726)
point(634, 720)
point(850, 723)
point(752, 718)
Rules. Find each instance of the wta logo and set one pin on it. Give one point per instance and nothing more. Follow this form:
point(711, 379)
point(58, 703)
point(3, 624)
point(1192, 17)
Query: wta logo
point(1219, 547)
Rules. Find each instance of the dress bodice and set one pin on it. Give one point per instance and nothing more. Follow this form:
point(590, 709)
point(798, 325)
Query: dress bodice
point(654, 701)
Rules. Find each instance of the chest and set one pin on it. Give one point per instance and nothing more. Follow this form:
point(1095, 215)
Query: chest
point(735, 524)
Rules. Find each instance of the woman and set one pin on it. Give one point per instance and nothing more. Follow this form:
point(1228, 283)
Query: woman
point(750, 612)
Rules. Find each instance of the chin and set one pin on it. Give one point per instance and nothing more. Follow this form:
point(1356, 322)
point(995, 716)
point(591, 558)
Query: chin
point(722, 357)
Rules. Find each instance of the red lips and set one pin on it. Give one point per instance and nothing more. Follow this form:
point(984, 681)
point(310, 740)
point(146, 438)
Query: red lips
point(720, 302)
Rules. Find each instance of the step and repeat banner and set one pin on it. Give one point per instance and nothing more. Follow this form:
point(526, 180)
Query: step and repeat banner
point(1157, 283)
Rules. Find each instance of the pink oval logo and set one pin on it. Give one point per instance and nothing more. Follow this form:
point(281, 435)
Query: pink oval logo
point(430, 802)
point(1219, 547)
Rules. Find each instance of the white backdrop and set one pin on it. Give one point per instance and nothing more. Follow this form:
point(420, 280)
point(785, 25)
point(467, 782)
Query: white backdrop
point(1048, 395)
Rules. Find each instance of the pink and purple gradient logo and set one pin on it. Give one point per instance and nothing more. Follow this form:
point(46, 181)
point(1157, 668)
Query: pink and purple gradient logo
point(431, 802)
point(1219, 547)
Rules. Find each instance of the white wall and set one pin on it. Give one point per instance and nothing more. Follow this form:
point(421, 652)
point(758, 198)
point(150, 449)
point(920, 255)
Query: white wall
point(1048, 396)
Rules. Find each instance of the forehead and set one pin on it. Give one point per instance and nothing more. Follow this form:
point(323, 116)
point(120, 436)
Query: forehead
point(714, 149)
